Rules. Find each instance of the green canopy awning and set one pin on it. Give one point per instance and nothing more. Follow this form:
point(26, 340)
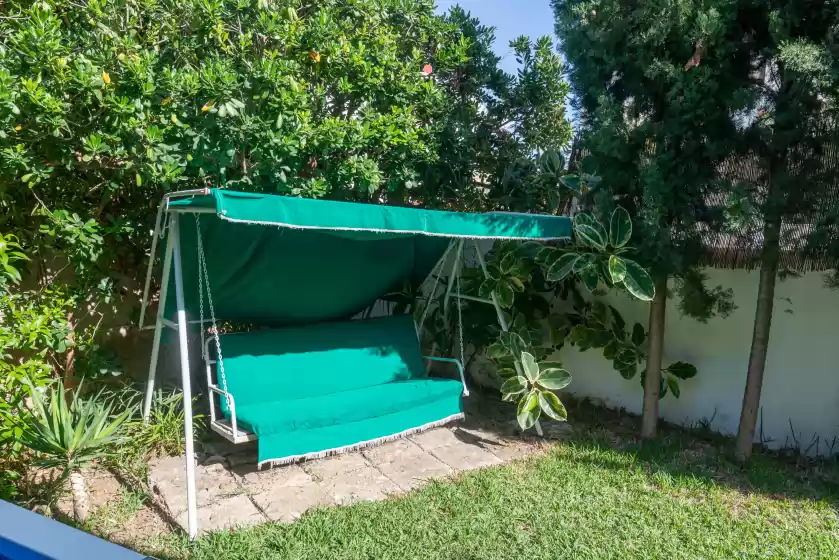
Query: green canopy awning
point(321, 260)
point(307, 213)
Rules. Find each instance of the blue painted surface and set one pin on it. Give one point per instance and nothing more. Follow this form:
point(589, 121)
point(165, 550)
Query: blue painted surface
point(25, 535)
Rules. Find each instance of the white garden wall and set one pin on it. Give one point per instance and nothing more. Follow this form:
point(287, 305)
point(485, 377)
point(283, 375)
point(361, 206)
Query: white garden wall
point(801, 384)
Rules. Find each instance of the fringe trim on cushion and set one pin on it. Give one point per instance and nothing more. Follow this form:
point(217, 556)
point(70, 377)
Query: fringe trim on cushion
point(360, 445)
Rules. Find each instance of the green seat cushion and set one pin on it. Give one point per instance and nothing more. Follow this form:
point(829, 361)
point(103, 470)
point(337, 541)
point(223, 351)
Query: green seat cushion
point(312, 360)
point(284, 445)
point(330, 409)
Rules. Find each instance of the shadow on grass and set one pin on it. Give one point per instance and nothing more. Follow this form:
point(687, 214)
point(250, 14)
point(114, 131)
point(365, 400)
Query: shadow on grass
point(678, 451)
point(707, 456)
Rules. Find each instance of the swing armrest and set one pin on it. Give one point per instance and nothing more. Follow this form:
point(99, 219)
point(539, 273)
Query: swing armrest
point(459, 369)
point(231, 404)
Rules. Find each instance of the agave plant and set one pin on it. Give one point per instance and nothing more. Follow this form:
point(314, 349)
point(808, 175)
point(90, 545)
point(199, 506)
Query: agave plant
point(69, 436)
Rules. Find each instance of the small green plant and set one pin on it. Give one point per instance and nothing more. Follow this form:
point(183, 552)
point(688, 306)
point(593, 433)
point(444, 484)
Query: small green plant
point(534, 391)
point(69, 437)
point(163, 434)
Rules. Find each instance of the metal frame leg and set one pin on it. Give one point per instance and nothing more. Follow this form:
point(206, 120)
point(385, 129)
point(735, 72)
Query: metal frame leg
point(192, 509)
point(158, 328)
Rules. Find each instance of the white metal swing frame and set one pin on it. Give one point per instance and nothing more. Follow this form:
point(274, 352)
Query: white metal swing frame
point(172, 264)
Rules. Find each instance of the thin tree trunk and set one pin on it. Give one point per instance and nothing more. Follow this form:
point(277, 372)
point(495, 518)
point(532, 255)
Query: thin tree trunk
point(70, 361)
point(760, 336)
point(652, 377)
point(79, 489)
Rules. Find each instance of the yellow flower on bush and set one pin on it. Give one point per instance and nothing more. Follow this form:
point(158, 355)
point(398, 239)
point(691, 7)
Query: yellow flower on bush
point(105, 77)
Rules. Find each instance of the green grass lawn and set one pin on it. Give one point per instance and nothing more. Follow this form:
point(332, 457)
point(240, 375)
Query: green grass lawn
point(600, 495)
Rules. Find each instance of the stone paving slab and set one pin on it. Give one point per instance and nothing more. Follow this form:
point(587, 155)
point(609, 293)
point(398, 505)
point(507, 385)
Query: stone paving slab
point(432, 439)
point(406, 463)
point(284, 493)
point(465, 457)
point(505, 448)
point(336, 465)
point(167, 478)
point(226, 513)
point(349, 478)
point(232, 491)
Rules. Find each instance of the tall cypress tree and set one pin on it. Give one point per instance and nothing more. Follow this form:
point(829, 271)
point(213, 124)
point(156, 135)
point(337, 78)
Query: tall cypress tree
point(657, 85)
point(794, 70)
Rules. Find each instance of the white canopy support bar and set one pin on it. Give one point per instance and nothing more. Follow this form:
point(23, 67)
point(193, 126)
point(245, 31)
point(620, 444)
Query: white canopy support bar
point(158, 328)
point(186, 381)
point(158, 232)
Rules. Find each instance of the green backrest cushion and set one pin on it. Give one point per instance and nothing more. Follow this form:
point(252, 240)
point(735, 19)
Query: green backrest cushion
point(297, 362)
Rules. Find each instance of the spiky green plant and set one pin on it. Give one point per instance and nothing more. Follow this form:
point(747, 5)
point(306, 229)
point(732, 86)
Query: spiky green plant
point(69, 436)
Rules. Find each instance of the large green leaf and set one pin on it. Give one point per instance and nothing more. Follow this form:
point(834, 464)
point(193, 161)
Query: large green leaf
point(545, 255)
point(516, 283)
point(514, 343)
point(572, 182)
point(627, 371)
point(505, 372)
point(497, 350)
point(602, 337)
point(638, 334)
point(528, 410)
point(590, 236)
point(508, 263)
point(638, 282)
point(505, 294)
point(617, 269)
point(627, 356)
point(552, 406)
point(611, 350)
point(682, 370)
point(589, 278)
point(620, 228)
point(673, 384)
point(562, 267)
point(554, 378)
point(514, 386)
point(531, 368)
point(586, 260)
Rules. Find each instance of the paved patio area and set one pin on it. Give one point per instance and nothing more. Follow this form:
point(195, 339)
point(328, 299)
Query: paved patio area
point(232, 492)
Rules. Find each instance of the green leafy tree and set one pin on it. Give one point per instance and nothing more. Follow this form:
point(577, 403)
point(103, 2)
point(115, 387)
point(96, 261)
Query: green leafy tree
point(106, 106)
point(500, 128)
point(656, 86)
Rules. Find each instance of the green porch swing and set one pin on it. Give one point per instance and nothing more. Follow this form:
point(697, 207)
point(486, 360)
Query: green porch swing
point(309, 380)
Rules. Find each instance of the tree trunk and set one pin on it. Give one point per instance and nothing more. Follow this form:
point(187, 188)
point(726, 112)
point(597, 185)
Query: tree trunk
point(652, 377)
point(80, 504)
point(70, 361)
point(760, 335)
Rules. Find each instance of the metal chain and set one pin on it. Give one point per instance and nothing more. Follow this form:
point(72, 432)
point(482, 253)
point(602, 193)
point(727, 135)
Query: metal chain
point(214, 329)
point(200, 290)
point(460, 321)
point(438, 269)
